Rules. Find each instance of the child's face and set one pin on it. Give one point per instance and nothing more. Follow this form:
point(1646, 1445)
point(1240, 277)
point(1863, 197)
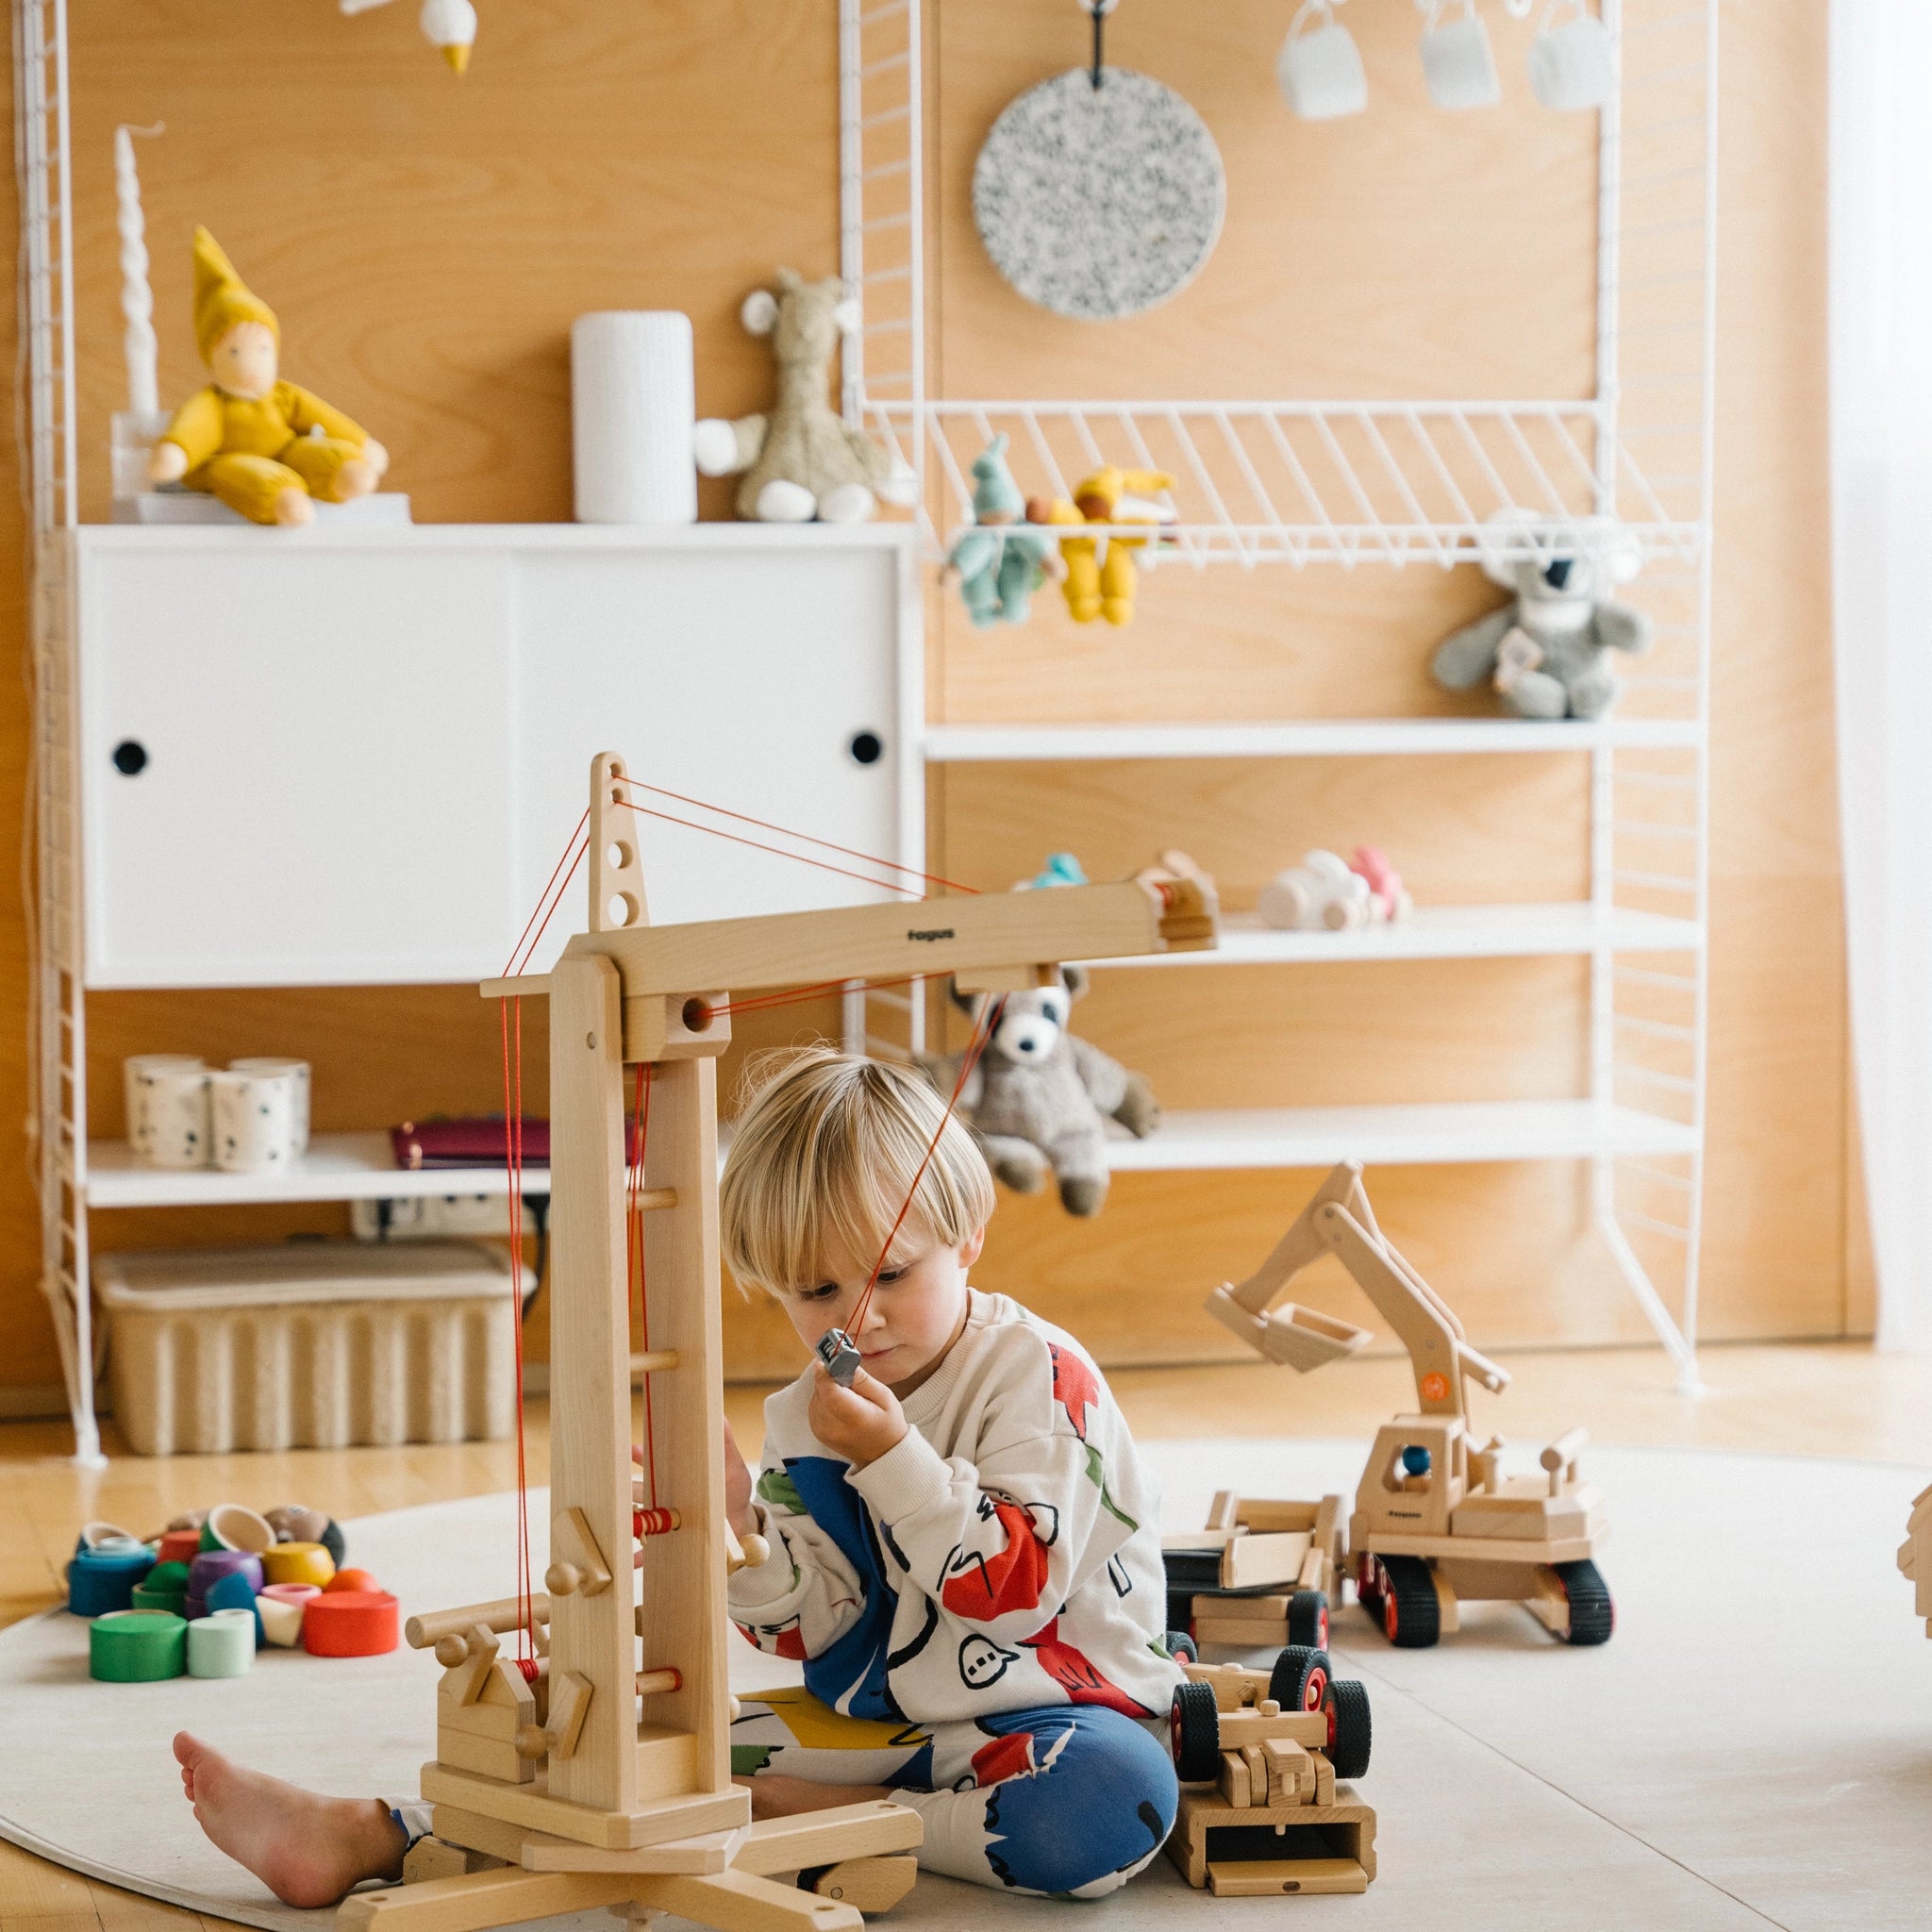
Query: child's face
point(915, 1314)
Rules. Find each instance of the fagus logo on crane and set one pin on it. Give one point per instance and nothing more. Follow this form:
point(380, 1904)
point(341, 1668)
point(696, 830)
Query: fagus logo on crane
point(932, 932)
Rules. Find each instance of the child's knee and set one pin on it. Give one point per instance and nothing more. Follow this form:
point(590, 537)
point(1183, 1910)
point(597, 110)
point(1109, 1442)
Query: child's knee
point(1098, 1806)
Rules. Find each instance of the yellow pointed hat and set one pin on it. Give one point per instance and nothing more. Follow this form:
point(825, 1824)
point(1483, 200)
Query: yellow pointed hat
point(221, 297)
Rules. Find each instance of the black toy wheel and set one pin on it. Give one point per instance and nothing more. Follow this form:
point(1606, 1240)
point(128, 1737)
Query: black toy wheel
point(1299, 1680)
point(1180, 1644)
point(1307, 1619)
point(1349, 1737)
point(1593, 1616)
point(1412, 1617)
point(1196, 1727)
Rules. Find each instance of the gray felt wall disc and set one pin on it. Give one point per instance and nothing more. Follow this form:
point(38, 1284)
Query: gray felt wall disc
point(1099, 202)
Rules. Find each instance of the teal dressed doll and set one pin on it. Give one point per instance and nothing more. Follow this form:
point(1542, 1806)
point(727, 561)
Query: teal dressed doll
point(1001, 561)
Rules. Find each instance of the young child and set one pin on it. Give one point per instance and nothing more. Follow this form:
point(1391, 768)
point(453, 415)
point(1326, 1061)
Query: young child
point(965, 1554)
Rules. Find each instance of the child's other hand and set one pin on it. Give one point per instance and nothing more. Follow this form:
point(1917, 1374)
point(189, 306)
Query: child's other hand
point(861, 1423)
point(736, 1488)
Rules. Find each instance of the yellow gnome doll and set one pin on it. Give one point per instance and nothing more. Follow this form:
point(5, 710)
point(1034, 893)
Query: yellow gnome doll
point(263, 446)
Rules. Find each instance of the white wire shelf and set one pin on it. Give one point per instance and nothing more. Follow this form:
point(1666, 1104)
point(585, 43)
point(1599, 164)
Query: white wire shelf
point(1391, 482)
point(1468, 1132)
point(338, 1167)
point(1310, 738)
point(1442, 932)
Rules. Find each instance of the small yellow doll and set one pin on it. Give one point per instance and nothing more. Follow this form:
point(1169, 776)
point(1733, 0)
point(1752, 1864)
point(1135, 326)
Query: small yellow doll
point(263, 446)
point(1095, 587)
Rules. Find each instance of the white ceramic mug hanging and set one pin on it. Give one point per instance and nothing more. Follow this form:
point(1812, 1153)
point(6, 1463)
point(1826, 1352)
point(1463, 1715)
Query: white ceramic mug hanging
point(1320, 68)
point(1570, 66)
point(1099, 192)
point(1457, 60)
point(254, 1120)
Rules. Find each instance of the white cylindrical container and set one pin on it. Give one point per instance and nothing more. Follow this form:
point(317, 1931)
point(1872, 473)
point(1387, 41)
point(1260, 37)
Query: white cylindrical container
point(174, 1115)
point(133, 1070)
point(298, 1072)
point(254, 1120)
point(632, 404)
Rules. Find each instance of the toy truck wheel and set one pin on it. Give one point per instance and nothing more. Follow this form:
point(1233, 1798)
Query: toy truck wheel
point(1347, 1707)
point(1593, 1616)
point(1196, 1727)
point(1307, 1619)
point(1412, 1617)
point(1180, 1644)
point(1300, 1678)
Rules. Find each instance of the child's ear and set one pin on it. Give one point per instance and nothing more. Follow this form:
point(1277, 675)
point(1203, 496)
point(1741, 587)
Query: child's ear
point(971, 1247)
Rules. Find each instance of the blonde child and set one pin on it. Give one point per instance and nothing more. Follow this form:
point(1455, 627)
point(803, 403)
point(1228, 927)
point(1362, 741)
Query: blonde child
point(965, 1554)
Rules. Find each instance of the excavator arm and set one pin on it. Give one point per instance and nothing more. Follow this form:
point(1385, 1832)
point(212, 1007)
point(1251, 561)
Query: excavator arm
point(1339, 1220)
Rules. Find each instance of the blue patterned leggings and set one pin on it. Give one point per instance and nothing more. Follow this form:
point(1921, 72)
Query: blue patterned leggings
point(1068, 1801)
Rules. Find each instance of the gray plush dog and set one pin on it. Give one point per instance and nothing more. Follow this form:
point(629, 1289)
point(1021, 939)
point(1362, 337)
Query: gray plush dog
point(1547, 651)
point(1039, 1098)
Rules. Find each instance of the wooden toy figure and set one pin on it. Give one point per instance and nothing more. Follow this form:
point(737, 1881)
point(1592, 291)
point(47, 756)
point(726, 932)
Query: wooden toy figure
point(1000, 561)
point(265, 447)
point(1101, 575)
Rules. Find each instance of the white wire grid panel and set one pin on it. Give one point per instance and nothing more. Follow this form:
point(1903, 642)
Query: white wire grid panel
point(1395, 481)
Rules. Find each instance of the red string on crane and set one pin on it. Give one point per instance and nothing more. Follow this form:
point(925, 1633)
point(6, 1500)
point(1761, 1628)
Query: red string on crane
point(635, 1246)
point(778, 851)
point(785, 831)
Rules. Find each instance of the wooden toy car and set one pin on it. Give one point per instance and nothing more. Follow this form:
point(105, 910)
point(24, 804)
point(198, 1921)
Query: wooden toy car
point(1261, 1575)
point(1436, 1523)
point(1272, 1746)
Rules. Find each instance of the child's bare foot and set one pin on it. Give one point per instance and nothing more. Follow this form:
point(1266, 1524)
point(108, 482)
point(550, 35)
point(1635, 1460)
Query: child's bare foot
point(774, 1795)
point(307, 1850)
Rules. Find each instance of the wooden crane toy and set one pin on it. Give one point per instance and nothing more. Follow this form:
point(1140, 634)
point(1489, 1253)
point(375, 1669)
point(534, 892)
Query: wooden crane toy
point(1434, 1522)
point(589, 1773)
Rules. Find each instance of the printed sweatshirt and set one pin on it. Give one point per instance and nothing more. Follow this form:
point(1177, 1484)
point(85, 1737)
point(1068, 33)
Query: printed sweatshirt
point(1004, 1556)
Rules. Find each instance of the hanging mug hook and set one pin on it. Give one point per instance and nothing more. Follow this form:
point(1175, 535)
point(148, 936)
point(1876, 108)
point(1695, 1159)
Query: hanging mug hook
point(1097, 10)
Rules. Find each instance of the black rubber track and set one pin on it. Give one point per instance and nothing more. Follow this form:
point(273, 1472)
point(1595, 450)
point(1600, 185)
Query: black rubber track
point(1593, 1616)
point(1412, 1617)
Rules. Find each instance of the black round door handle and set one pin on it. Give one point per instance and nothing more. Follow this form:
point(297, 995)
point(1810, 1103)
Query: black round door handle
point(866, 747)
point(130, 757)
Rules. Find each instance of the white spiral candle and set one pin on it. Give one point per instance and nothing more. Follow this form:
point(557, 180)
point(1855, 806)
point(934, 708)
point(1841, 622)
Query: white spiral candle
point(136, 297)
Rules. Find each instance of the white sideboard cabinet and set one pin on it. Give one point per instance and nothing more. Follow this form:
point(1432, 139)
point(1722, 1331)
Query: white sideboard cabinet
point(327, 758)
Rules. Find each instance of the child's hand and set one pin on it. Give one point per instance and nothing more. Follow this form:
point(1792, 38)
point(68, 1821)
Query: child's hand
point(861, 1423)
point(737, 1488)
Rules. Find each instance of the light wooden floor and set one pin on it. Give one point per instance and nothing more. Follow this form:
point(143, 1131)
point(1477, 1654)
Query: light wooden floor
point(1830, 1400)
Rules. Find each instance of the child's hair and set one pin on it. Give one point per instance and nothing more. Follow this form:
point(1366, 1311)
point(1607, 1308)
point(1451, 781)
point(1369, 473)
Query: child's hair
point(826, 1147)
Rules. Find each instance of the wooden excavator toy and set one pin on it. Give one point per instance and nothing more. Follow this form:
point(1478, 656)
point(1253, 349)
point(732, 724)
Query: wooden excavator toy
point(587, 1774)
point(1436, 1522)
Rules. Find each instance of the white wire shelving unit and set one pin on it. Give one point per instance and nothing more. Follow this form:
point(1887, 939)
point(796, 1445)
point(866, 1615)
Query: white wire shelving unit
point(1395, 482)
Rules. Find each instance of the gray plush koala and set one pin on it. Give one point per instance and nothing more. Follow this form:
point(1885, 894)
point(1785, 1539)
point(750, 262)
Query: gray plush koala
point(1547, 651)
point(1039, 1097)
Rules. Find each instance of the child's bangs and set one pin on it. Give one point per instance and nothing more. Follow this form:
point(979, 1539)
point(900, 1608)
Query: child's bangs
point(825, 1156)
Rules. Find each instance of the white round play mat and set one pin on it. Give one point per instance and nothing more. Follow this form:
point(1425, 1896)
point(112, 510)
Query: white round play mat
point(1751, 1750)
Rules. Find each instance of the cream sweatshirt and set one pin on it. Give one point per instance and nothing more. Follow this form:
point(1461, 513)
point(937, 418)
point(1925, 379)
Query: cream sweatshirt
point(1004, 1556)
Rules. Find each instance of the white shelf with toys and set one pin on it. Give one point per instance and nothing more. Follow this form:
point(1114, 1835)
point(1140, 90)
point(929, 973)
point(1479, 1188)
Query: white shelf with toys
point(1300, 738)
point(1441, 932)
point(338, 1167)
point(1460, 1131)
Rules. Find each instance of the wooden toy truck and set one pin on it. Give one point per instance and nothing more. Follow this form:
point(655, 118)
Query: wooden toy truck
point(1272, 1746)
point(1436, 1523)
point(1261, 1575)
point(589, 1774)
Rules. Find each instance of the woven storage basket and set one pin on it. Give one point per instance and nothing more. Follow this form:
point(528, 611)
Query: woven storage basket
point(311, 1344)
